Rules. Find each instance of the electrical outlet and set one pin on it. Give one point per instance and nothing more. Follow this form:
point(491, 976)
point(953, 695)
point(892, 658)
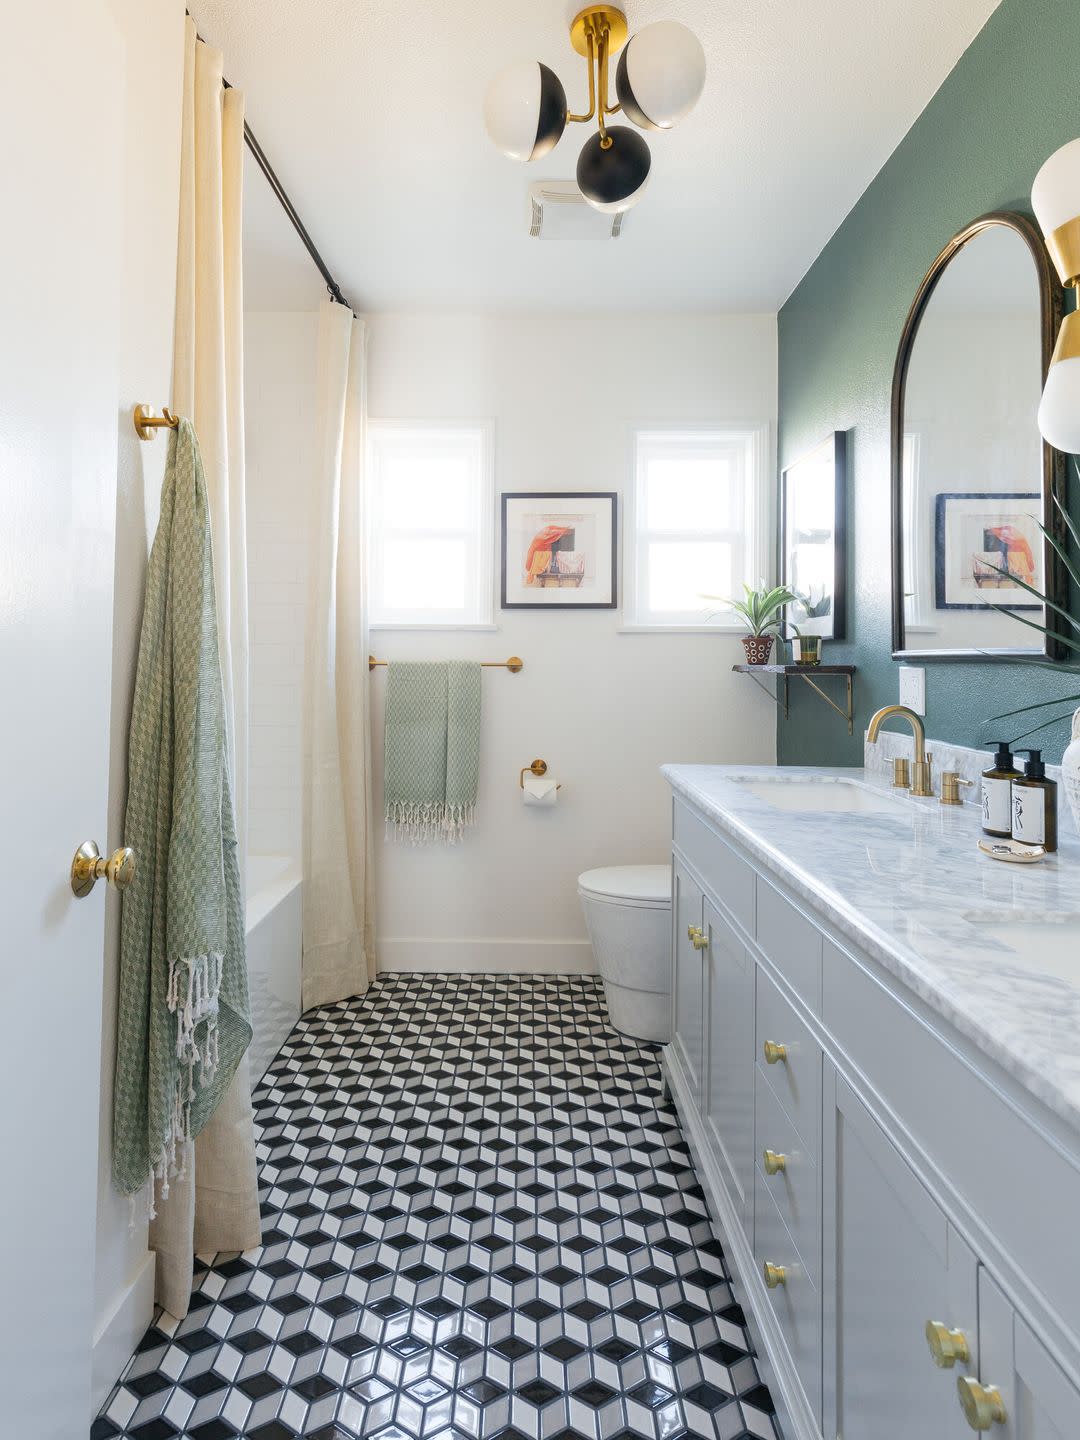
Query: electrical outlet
point(913, 688)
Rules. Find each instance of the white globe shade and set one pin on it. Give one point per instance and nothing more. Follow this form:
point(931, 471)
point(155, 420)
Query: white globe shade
point(1055, 195)
point(661, 75)
point(1059, 411)
point(525, 110)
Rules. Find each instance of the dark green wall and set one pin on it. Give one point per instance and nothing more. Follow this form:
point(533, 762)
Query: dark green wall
point(1013, 98)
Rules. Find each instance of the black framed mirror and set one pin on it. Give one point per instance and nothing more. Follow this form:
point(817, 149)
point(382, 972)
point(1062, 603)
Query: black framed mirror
point(972, 477)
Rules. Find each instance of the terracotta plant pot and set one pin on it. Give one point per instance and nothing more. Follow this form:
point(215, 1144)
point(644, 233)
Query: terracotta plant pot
point(758, 648)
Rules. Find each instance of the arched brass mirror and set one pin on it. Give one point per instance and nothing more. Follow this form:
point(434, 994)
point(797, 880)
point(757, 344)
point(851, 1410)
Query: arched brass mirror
point(971, 476)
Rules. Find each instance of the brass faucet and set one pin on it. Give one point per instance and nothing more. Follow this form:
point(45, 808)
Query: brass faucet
point(921, 779)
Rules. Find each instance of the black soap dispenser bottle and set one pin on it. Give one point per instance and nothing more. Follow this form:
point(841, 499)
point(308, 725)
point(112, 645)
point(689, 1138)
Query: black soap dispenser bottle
point(997, 791)
point(1034, 804)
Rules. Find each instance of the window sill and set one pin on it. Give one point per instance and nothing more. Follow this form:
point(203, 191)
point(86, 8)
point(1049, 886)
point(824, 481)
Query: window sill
point(433, 625)
point(681, 630)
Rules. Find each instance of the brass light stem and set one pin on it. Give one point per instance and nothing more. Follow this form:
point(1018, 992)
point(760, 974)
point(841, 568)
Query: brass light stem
point(602, 103)
point(592, 81)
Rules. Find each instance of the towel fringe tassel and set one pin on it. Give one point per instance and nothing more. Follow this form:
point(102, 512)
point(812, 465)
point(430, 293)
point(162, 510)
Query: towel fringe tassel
point(422, 824)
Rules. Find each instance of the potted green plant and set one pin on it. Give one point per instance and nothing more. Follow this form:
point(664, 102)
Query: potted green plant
point(762, 609)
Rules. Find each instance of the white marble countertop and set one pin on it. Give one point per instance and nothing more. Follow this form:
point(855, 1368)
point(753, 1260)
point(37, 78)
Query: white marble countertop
point(914, 892)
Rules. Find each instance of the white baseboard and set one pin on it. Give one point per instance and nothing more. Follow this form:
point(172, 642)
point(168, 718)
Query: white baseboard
point(488, 957)
point(120, 1331)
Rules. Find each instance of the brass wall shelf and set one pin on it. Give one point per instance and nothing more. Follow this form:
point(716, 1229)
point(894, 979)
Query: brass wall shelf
point(809, 673)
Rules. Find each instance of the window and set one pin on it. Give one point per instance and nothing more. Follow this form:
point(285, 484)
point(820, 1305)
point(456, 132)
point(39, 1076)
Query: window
point(698, 523)
point(430, 526)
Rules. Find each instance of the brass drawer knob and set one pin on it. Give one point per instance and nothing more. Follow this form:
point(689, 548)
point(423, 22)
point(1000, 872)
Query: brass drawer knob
point(775, 1163)
point(774, 1053)
point(775, 1275)
point(698, 938)
point(89, 866)
point(982, 1405)
point(946, 1346)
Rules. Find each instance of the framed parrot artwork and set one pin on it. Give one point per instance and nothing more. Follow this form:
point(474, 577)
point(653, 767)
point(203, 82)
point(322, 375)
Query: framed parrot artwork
point(559, 550)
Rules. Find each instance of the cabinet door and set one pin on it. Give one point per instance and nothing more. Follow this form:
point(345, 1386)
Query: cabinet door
point(892, 1262)
point(1037, 1400)
point(729, 1103)
point(688, 981)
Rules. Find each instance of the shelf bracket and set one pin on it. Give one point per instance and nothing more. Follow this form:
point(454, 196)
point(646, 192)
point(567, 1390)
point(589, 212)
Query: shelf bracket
point(812, 675)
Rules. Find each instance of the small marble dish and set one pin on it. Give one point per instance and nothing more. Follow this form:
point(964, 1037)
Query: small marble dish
point(1013, 851)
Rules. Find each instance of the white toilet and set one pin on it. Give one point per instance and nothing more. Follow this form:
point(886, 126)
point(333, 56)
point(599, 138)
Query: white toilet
point(628, 916)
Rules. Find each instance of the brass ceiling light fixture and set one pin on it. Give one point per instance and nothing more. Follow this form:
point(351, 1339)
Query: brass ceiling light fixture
point(659, 80)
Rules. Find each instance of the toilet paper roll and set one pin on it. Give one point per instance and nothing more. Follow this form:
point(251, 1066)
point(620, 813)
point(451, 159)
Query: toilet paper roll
point(539, 789)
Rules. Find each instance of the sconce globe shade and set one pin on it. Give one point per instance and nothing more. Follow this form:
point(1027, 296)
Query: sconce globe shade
point(614, 179)
point(1055, 199)
point(660, 75)
point(525, 110)
point(1059, 410)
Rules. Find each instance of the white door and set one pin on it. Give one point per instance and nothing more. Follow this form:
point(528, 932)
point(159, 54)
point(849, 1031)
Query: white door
point(688, 984)
point(729, 1103)
point(892, 1264)
point(1018, 1388)
point(61, 85)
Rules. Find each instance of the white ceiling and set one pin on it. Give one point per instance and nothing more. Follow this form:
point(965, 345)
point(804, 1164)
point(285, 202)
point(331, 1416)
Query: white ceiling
point(371, 114)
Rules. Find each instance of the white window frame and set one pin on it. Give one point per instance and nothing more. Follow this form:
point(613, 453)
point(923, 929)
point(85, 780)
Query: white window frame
point(757, 517)
point(482, 615)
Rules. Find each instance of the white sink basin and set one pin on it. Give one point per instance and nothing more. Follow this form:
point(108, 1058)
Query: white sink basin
point(1043, 944)
point(824, 796)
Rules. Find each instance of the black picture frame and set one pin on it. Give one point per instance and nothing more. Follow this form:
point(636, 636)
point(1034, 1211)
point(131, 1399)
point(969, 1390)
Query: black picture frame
point(832, 449)
point(941, 505)
point(553, 501)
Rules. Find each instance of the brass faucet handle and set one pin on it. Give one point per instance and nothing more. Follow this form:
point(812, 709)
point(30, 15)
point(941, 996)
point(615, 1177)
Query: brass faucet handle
point(901, 773)
point(951, 781)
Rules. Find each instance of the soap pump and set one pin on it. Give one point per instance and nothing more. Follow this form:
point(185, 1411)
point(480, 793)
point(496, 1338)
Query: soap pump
point(1034, 804)
point(997, 791)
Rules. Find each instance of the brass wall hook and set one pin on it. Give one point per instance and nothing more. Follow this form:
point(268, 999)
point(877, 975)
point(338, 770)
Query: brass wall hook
point(146, 422)
point(538, 767)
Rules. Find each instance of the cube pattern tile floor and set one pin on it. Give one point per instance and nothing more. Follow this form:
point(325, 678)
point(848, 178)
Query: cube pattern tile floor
point(480, 1221)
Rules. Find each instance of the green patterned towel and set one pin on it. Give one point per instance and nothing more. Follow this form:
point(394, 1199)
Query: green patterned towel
point(182, 1021)
point(431, 749)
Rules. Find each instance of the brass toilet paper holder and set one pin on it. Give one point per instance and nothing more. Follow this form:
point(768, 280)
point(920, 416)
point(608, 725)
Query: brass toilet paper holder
point(538, 767)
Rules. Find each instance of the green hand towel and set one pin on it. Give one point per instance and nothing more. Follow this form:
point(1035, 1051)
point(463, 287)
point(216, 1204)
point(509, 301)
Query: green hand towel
point(431, 750)
point(183, 1020)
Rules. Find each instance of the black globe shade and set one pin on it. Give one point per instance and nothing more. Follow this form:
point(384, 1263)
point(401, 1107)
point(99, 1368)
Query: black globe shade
point(613, 179)
point(551, 118)
point(627, 99)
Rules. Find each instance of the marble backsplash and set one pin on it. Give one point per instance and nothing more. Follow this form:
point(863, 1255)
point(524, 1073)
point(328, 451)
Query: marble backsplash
point(969, 764)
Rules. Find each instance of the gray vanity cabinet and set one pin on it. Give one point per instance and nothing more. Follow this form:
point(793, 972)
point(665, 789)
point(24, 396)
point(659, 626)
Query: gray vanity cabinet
point(729, 1098)
point(1039, 1401)
point(688, 981)
point(871, 1168)
point(892, 1262)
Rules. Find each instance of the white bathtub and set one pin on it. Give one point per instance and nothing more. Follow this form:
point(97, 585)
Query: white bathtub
point(274, 931)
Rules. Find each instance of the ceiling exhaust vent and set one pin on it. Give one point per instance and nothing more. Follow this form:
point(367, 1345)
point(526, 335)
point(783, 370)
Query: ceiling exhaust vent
point(559, 211)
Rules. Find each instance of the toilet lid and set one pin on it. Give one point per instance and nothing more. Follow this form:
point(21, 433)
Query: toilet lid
point(631, 884)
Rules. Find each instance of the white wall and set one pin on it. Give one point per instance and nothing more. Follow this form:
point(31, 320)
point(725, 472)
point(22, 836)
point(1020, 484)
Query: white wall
point(605, 709)
point(154, 34)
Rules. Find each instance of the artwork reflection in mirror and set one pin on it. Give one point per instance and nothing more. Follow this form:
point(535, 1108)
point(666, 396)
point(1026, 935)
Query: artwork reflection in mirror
point(812, 538)
point(972, 463)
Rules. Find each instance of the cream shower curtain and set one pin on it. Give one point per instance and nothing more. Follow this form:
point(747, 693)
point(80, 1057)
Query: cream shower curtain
point(215, 1207)
point(339, 938)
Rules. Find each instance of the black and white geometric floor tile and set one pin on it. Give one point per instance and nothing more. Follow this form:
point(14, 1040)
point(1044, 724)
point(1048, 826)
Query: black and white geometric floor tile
point(479, 1221)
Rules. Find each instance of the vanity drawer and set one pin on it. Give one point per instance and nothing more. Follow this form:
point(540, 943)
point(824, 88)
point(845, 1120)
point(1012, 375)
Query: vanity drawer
point(791, 941)
point(796, 1078)
point(796, 1303)
point(795, 1188)
point(730, 879)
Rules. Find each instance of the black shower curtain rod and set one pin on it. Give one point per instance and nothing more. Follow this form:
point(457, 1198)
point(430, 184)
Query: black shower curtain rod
point(286, 204)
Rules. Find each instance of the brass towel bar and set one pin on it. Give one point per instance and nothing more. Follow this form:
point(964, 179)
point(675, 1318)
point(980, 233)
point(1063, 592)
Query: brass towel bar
point(146, 422)
point(514, 664)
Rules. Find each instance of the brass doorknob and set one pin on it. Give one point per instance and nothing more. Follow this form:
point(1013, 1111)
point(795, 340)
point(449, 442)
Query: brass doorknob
point(697, 937)
point(775, 1163)
point(89, 866)
point(946, 1346)
point(982, 1405)
point(774, 1275)
point(774, 1053)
